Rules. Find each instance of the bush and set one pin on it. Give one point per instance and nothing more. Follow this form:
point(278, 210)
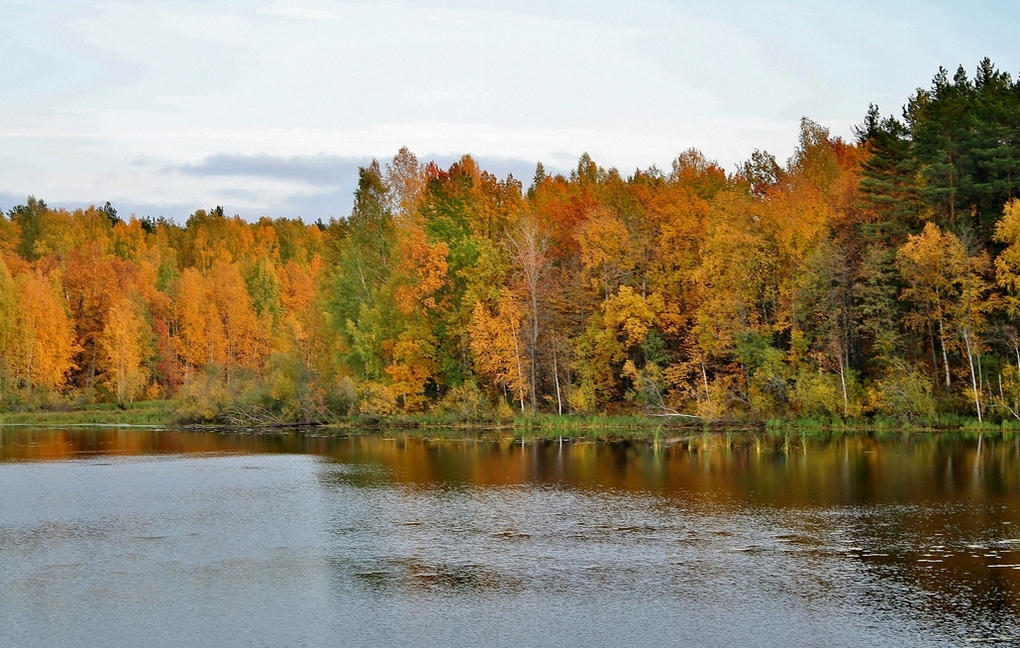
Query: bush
point(465, 402)
point(376, 400)
point(903, 393)
point(203, 398)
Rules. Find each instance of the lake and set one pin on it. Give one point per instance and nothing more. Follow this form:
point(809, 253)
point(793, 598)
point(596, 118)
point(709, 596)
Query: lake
point(134, 537)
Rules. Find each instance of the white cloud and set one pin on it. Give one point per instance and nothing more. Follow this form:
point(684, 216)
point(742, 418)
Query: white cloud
point(91, 87)
point(290, 10)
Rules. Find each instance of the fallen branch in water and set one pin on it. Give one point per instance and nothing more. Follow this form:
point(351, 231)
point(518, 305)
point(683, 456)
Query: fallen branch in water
point(255, 416)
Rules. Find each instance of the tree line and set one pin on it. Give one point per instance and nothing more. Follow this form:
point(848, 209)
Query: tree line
point(873, 277)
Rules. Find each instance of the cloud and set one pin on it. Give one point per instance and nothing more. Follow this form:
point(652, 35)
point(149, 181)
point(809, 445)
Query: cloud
point(320, 170)
point(282, 10)
point(320, 186)
point(325, 205)
point(337, 201)
point(10, 200)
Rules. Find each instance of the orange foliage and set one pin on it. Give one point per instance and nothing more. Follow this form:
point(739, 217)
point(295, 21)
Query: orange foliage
point(45, 346)
point(424, 269)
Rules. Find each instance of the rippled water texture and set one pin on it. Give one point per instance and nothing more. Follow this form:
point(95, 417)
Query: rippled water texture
point(142, 538)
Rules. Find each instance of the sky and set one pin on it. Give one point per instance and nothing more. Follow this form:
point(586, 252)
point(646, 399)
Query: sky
point(268, 107)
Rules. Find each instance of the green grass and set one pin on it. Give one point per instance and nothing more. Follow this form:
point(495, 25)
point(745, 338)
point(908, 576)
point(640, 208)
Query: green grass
point(142, 413)
point(540, 426)
point(543, 426)
point(555, 422)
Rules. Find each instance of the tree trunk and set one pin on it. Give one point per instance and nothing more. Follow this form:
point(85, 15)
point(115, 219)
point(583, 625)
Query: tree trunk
point(556, 377)
point(973, 375)
point(842, 380)
point(945, 354)
point(520, 374)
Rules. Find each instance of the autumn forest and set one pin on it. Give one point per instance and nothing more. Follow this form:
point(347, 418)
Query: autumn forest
point(877, 277)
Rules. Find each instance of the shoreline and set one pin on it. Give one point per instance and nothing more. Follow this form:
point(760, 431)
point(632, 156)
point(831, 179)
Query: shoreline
point(159, 415)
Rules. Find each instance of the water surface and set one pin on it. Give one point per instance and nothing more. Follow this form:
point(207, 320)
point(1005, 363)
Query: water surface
point(151, 538)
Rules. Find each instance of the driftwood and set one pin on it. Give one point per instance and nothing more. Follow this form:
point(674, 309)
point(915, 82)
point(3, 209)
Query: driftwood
point(251, 417)
point(681, 414)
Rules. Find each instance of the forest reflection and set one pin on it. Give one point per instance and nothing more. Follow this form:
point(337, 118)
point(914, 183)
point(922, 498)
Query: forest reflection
point(909, 523)
point(780, 469)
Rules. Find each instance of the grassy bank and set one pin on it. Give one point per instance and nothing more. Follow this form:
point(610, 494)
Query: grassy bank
point(545, 425)
point(158, 413)
point(552, 425)
point(163, 413)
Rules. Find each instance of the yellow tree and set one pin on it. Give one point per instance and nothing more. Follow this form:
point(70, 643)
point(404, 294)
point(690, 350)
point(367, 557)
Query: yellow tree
point(45, 348)
point(930, 262)
point(528, 247)
point(405, 177)
point(1007, 271)
point(744, 281)
point(128, 240)
point(680, 210)
point(408, 357)
point(245, 337)
point(56, 235)
point(90, 279)
point(215, 322)
point(305, 329)
point(412, 367)
point(948, 290)
point(422, 270)
point(496, 348)
point(8, 327)
point(125, 345)
point(605, 250)
point(195, 333)
point(1007, 264)
point(631, 317)
point(737, 277)
point(10, 236)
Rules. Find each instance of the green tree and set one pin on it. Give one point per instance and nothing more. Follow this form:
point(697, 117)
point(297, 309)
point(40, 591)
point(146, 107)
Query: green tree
point(29, 219)
point(889, 191)
point(362, 302)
